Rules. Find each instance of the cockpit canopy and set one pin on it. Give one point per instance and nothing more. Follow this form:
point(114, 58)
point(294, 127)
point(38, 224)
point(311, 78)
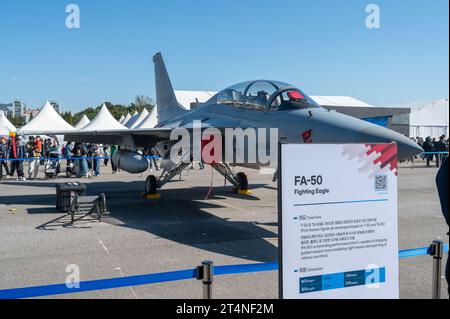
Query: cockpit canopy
point(264, 95)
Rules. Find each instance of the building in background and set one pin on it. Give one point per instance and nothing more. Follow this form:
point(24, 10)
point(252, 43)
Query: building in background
point(19, 108)
point(383, 116)
point(425, 119)
point(6, 109)
point(16, 108)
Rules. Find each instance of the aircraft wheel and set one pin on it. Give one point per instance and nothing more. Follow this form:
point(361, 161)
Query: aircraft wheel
point(242, 180)
point(151, 185)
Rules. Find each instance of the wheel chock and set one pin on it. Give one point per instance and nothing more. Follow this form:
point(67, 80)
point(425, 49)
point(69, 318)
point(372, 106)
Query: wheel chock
point(244, 192)
point(151, 196)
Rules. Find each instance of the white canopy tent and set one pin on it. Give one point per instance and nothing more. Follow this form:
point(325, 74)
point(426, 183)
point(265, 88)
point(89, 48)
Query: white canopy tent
point(135, 121)
point(47, 120)
point(122, 118)
point(126, 119)
point(132, 119)
point(5, 125)
point(83, 122)
point(430, 119)
point(103, 121)
point(150, 121)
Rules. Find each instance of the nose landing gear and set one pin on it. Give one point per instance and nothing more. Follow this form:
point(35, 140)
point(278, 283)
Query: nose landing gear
point(239, 180)
point(242, 181)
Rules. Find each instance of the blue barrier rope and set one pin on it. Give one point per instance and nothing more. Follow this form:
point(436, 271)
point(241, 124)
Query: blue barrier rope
point(408, 253)
point(434, 153)
point(103, 284)
point(64, 158)
point(109, 157)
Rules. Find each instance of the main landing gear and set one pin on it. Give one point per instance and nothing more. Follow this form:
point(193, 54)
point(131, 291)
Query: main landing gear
point(153, 184)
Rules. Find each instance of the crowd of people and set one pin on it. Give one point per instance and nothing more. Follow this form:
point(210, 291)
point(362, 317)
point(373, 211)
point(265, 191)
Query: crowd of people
point(436, 149)
point(82, 159)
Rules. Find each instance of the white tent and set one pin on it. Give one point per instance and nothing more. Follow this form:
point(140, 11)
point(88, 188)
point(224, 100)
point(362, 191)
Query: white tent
point(132, 119)
point(186, 98)
point(5, 125)
point(150, 121)
point(122, 118)
point(429, 119)
point(103, 121)
point(135, 121)
point(126, 119)
point(48, 121)
point(83, 122)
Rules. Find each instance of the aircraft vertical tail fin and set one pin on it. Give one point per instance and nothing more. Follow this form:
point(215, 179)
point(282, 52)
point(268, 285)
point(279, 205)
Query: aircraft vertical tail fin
point(166, 100)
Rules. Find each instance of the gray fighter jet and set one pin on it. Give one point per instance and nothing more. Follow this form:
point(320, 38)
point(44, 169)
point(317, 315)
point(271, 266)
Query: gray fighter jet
point(260, 104)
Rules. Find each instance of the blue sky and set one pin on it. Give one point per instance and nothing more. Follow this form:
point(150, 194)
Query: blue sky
point(322, 46)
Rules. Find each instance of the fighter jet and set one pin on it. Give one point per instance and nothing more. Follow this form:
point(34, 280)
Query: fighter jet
point(260, 105)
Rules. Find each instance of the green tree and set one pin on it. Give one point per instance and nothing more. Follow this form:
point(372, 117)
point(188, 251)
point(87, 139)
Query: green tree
point(116, 110)
point(67, 116)
point(17, 121)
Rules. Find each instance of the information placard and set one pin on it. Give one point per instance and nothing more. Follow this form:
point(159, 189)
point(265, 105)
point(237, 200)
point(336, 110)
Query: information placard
point(339, 224)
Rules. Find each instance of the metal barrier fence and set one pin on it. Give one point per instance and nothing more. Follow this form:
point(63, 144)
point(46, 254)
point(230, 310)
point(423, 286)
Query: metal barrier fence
point(206, 273)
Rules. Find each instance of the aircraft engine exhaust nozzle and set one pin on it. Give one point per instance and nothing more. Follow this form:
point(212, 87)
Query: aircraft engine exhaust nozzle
point(131, 162)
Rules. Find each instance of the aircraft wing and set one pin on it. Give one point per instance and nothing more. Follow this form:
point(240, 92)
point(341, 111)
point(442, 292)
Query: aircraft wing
point(141, 137)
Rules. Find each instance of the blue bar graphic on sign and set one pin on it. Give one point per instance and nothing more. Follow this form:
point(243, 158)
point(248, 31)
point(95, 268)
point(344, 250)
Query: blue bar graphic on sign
point(342, 280)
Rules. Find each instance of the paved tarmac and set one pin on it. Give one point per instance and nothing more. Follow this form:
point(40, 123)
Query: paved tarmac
point(179, 231)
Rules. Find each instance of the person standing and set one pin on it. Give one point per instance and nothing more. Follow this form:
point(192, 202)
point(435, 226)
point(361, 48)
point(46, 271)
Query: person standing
point(153, 162)
point(68, 153)
point(80, 154)
point(34, 154)
point(107, 154)
point(96, 154)
point(3, 157)
point(428, 147)
point(441, 148)
point(442, 186)
point(18, 154)
point(113, 151)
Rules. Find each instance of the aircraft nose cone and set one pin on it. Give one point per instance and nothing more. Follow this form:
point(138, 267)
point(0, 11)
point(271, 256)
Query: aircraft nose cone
point(406, 147)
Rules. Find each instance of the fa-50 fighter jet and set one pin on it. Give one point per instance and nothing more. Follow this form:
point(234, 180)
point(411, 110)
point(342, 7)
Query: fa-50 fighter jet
point(271, 109)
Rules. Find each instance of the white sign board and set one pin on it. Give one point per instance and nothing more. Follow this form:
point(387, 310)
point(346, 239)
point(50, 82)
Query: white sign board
point(338, 217)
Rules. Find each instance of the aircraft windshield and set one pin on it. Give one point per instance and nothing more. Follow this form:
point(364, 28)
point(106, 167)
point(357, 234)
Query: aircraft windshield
point(263, 95)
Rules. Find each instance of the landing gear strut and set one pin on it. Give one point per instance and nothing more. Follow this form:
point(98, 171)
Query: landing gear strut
point(152, 184)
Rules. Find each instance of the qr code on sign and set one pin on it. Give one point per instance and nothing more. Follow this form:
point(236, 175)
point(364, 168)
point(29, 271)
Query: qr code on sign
point(381, 183)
